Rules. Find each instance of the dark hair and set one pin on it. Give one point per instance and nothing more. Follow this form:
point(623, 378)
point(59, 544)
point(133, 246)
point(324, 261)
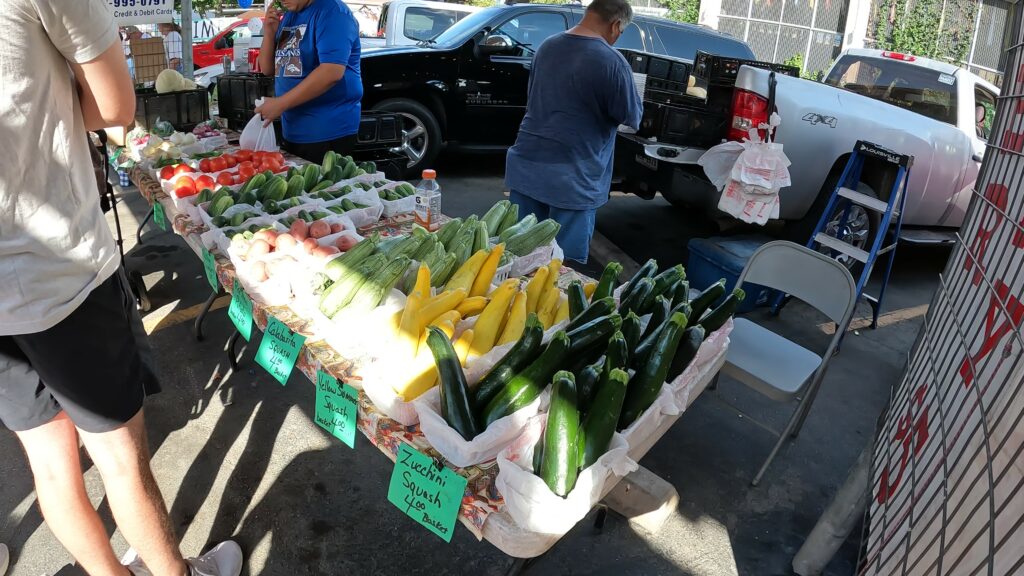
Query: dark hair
point(612, 11)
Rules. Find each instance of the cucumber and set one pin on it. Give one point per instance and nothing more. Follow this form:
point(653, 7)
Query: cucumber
point(714, 319)
point(593, 333)
point(646, 383)
point(586, 384)
point(688, 346)
point(705, 299)
point(659, 313)
point(599, 425)
point(577, 299)
point(631, 331)
point(525, 386)
point(597, 309)
point(523, 352)
point(560, 463)
point(608, 282)
point(646, 271)
point(455, 405)
point(636, 297)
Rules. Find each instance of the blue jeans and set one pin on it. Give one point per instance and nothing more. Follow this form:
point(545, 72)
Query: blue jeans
point(577, 225)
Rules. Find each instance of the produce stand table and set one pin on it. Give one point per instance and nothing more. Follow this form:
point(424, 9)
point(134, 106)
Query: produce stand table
point(482, 509)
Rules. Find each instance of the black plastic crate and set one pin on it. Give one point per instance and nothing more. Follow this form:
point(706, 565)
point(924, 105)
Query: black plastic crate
point(184, 109)
point(722, 70)
point(683, 124)
point(237, 94)
point(656, 66)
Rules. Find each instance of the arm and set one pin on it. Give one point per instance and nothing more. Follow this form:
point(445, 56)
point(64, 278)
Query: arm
point(625, 106)
point(105, 89)
point(271, 22)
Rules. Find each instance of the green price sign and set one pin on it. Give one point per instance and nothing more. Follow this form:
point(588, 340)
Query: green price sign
point(336, 408)
point(240, 311)
point(429, 495)
point(279, 350)
point(210, 264)
point(159, 217)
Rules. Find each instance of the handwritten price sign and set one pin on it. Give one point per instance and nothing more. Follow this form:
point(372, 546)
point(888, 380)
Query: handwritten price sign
point(240, 311)
point(279, 349)
point(336, 408)
point(427, 494)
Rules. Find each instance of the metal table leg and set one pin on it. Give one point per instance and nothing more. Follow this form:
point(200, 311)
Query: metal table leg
point(138, 233)
point(232, 359)
point(202, 314)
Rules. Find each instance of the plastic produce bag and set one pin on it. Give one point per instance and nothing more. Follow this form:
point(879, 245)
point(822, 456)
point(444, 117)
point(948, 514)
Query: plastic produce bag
point(533, 505)
point(719, 160)
point(256, 136)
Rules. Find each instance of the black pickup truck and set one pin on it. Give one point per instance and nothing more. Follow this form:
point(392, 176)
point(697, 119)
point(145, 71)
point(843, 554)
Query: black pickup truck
point(467, 87)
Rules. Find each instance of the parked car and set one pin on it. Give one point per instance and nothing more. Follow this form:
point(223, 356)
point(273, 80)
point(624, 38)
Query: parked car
point(213, 50)
point(467, 86)
point(409, 22)
point(932, 110)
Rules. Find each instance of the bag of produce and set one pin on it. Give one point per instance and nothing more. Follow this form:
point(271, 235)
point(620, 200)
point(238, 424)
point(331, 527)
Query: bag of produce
point(256, 136)
point(532, 505)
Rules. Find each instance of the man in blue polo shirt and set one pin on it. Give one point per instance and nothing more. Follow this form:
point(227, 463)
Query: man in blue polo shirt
point(313, 54)
point(581, 89)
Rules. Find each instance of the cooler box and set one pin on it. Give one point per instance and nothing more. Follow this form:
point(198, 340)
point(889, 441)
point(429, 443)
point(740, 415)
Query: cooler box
point(712, 259)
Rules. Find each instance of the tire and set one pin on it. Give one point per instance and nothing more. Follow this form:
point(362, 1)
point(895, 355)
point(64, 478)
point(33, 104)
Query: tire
point(421, 141)
point(865, 222)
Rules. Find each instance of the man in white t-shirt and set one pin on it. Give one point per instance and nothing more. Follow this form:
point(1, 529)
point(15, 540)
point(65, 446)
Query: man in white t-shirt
point(73, 356)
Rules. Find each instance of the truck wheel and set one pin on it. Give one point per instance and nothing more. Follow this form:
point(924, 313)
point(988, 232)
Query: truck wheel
point(859, 231)
point(421, 134)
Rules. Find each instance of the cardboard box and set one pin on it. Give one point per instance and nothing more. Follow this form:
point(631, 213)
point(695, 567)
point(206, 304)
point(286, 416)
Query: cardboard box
point(150, 58)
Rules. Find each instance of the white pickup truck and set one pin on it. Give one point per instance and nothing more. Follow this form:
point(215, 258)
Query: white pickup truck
point(934, 111)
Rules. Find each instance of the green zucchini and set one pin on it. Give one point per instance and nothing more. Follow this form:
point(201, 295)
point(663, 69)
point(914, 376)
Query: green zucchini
point(650, 376)
point(538, 451)
point(523, 352)
point(617, 354)
point(523, 225)
point(534, 237)
point(480, 237)
point(444, 271)
point(681, 293)
point(448, 232)
point(659, 313)
point(705, 299)
point(643, 350)
point(525, 386)
point(511, 216)
point(593, 333)
point(338, 294)
point(560, 462)
point(714, 319)
point(377, 287)
point(455, 405)
point(492, 219)
point(597, 309)
point(599, 425)
point(577, 299)
point(608, 282)
point(631, 331)
point(688, 346)
point(666, 281)
point(586, 384)
point(634, 301)
point(646, 271)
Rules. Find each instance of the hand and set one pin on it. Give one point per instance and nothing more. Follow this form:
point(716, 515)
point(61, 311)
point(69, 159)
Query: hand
point(271, 21)
point(271, 109)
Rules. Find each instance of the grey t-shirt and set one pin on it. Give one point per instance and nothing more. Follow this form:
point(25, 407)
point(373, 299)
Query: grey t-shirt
point(55, 246)
point(581, 90)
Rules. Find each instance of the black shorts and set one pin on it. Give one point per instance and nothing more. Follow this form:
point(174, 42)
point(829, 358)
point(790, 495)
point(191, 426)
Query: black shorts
point(314, 151)
point(95, 364)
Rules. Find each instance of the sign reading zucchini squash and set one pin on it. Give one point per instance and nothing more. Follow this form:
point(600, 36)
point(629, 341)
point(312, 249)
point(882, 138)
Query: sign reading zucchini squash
point(429, 495)
point(240, 311)
point(279, 349)
point(159, 216)
point(336, 408)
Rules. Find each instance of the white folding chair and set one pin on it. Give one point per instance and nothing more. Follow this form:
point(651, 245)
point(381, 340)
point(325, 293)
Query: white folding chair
point(775, 366)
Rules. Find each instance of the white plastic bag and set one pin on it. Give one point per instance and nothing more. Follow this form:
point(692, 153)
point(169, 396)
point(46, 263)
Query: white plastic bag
point(532, 505)
point(486, 445)
point(256, 136)
point(719, 160)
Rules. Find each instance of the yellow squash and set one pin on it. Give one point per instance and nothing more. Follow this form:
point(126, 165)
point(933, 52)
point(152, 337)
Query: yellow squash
point(550, 282)
point(488, 324)
point(472, 306)
point(534, 290)
point(422, 375)
point(482, 284)
point(450, 317)
point(462, 346)
point(548, 307)
point(422, 281)
point(466, 274)
point(516, 320)
point(440, 304)
point(409, 328)
point(589, 288)
point(562, 314)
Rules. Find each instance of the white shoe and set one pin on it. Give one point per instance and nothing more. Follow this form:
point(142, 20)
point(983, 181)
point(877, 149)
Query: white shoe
point(5, 559)
point(134, 564)
point(223, 560)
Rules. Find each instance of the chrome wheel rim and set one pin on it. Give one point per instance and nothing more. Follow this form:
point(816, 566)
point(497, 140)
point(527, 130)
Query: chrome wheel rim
point(414, 139)
point(854, 233)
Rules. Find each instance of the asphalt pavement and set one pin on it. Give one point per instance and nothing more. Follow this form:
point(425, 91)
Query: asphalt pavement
point(299, 502)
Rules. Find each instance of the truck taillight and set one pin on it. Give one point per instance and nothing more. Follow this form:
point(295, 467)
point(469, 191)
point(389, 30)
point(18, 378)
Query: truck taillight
point(899, 56)
point(748, 111)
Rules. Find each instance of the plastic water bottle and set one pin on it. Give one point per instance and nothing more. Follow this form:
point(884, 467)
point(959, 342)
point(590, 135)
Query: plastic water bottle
point(428, 201)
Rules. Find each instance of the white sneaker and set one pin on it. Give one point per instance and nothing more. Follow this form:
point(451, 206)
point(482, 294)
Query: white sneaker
point(134, 564)
point(5, 559)
point(223, 560)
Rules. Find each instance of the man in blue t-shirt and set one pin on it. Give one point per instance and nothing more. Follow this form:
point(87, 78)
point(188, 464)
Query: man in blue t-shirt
point(313, 54)
point(581, 89)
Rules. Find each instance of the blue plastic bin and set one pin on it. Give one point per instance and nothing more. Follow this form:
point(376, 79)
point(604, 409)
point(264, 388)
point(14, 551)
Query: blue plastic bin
point(712, 259)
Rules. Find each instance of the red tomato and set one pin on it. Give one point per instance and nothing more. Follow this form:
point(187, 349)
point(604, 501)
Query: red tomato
point(246, 164)
point(272, 164)
point(230, 160)
point(167, 172)
point(204, 165)
point(204, 182)
point(244, 155)
point(246, 170)
point(183, 169)
point(225, 179)
point(184, 186)
point(237, 179)
point(258, 156)
point(218, 164)
point(276, 156)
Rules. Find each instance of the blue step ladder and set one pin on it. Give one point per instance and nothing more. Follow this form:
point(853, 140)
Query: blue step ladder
point(830, 236)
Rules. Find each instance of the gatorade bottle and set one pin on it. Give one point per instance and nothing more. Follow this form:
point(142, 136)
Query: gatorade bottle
point(428, 201)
